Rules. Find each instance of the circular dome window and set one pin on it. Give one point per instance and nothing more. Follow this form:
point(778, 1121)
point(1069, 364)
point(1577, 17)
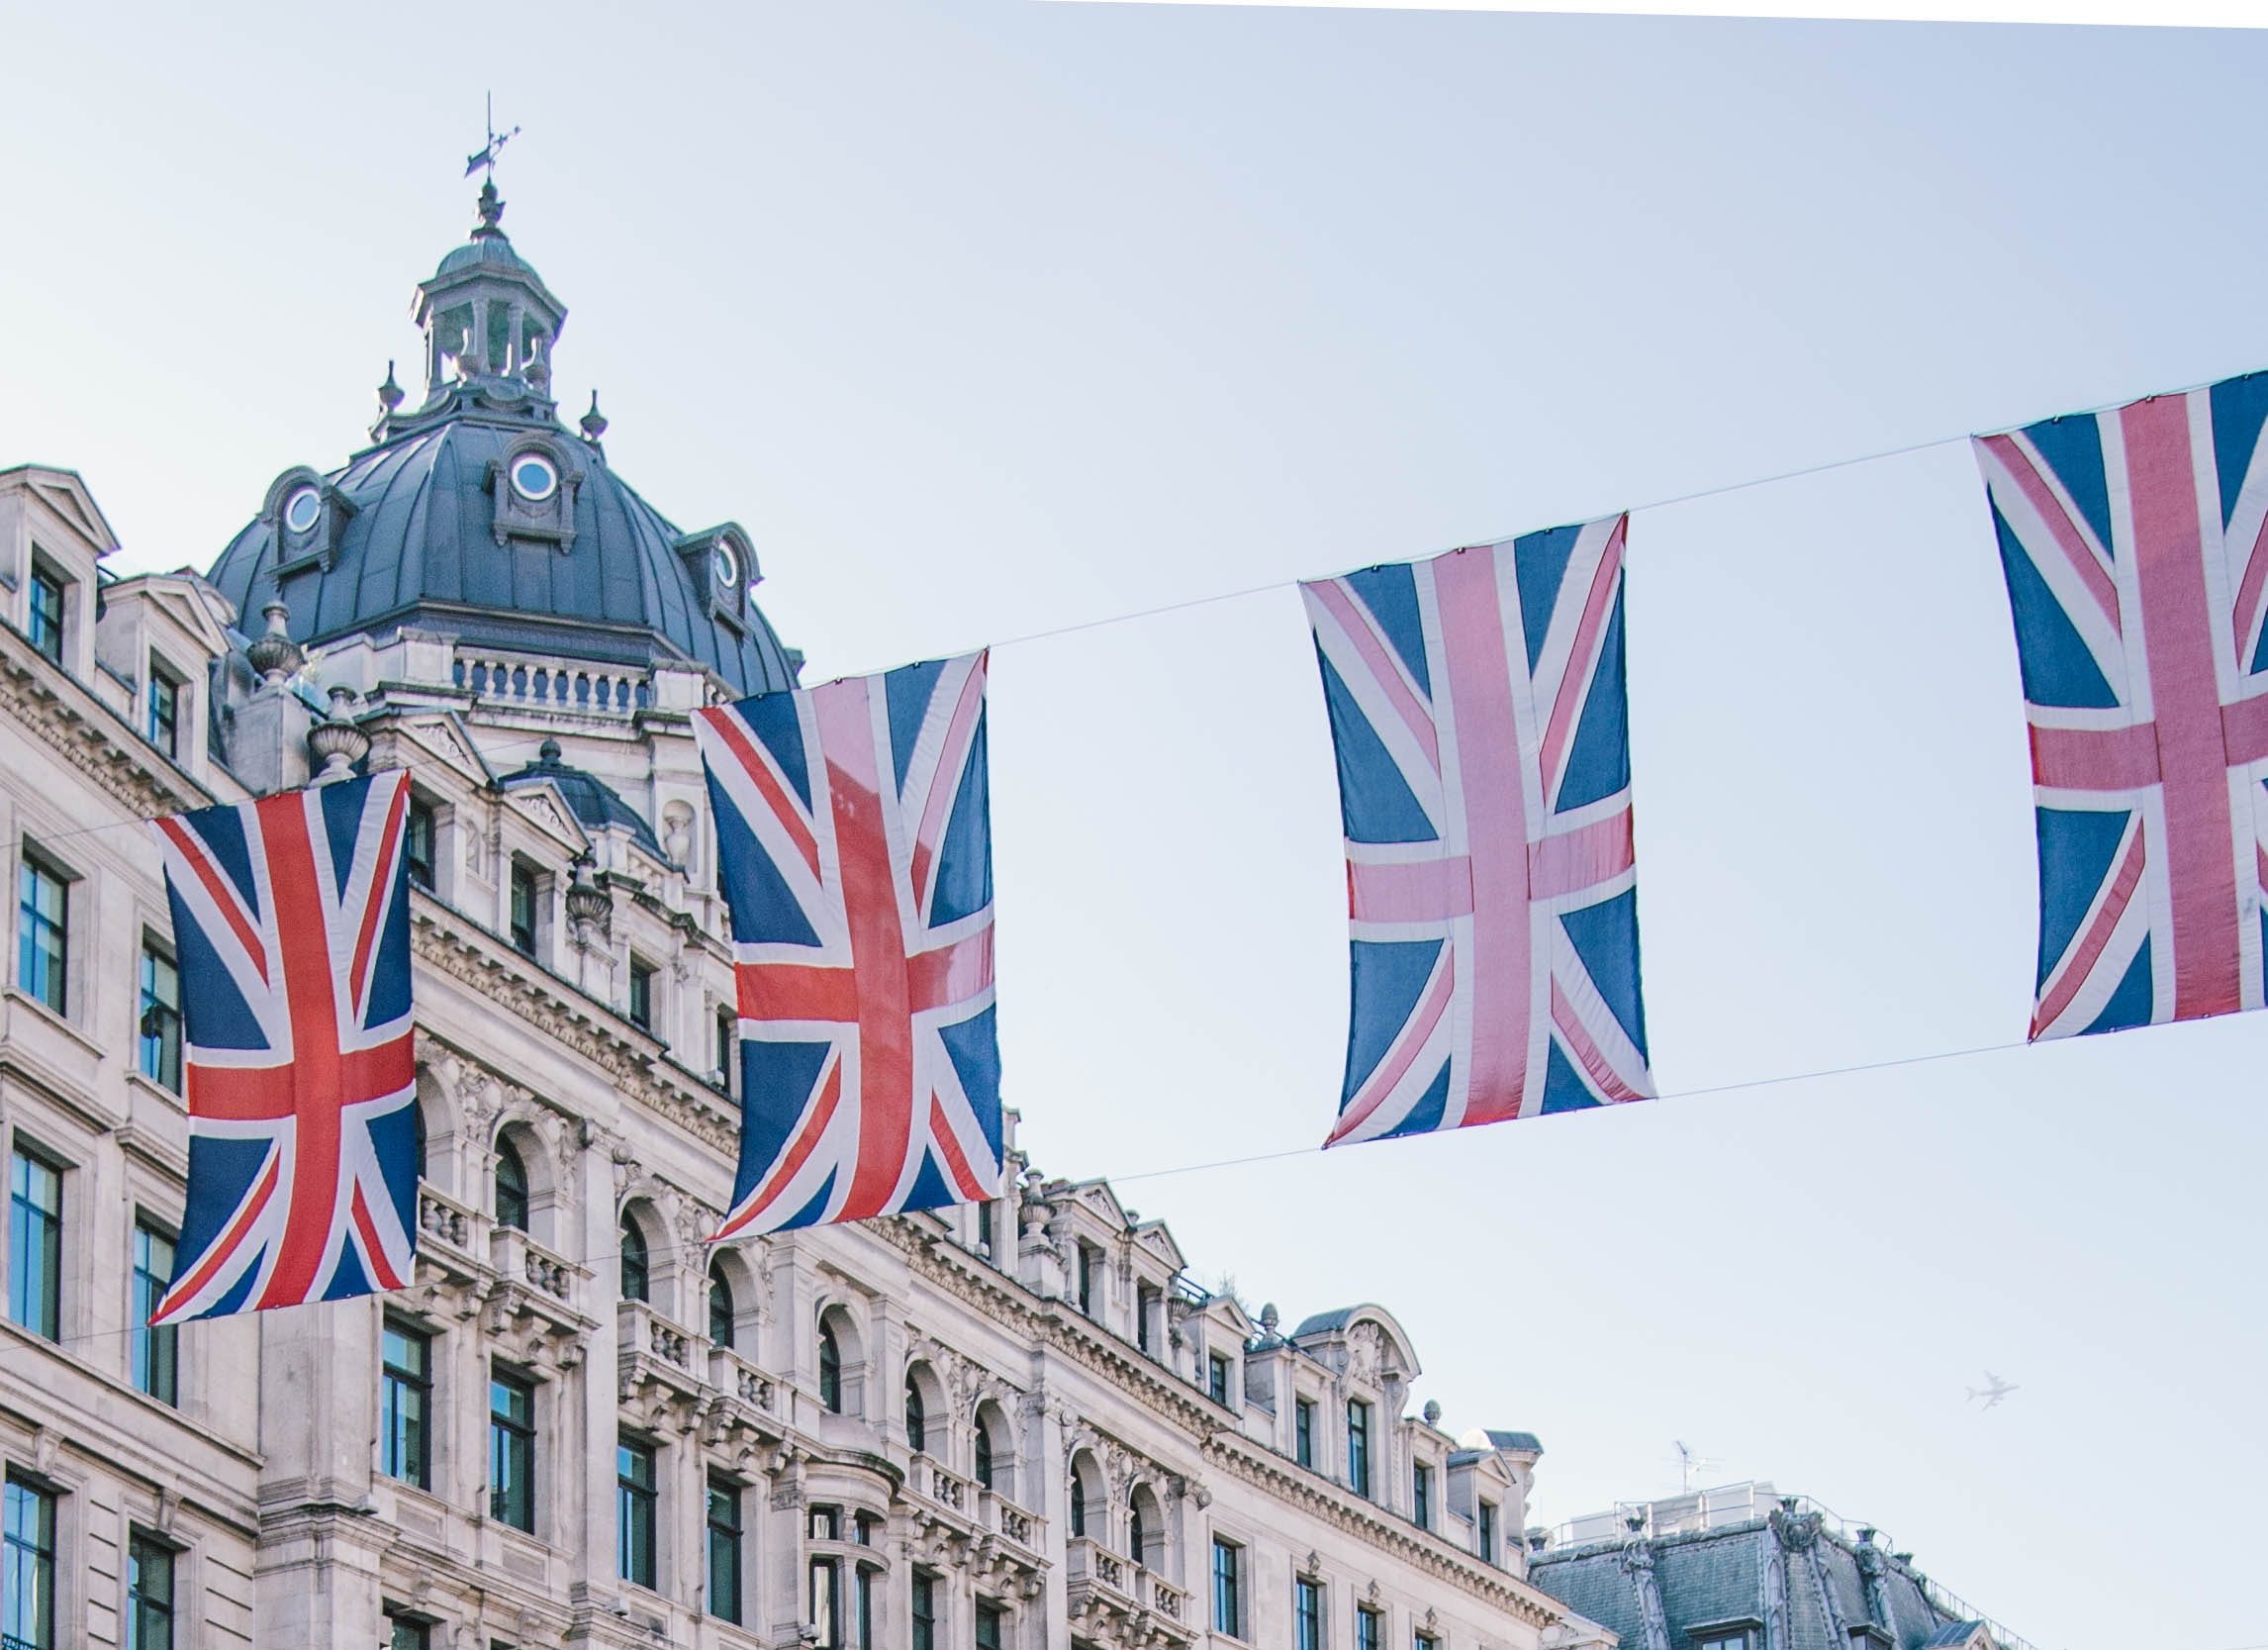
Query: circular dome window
point(724, 562)
point(533, 478)
point(302, 510)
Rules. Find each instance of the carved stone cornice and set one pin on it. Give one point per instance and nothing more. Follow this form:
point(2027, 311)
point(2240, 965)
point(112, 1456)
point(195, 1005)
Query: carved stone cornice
point(481, 962)
point(1263, 1468)
point(1048, 1324)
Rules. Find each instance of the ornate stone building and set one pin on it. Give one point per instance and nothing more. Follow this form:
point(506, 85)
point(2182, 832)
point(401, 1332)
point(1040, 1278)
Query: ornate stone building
point(1016, 1425)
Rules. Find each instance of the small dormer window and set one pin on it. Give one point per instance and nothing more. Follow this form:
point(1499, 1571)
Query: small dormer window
point(533, 477)
point(302, 510)
point(45, 621)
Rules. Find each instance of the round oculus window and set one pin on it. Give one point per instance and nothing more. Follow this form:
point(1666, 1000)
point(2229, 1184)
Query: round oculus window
point(302, 510)
point(724, 562)
point(533, 478)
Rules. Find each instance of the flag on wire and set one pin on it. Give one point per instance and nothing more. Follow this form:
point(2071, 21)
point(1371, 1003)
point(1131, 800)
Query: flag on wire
point(1478, 707)
point(855, 849)
point(291, 921)
point(2135, 547)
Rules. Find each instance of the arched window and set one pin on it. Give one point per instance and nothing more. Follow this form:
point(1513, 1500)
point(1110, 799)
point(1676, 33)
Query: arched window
point(719, 1307)
point(983, 1453)
point(1144, 1525)
point(830, 1368)
point(1137, 1538)
point(418, 1135)
point(1077, 1506)
point(916, 1418)
point(510, 1187)
point(637, 1269)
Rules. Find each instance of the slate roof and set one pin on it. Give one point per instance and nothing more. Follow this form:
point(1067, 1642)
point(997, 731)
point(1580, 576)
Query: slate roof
point(1722, 1576)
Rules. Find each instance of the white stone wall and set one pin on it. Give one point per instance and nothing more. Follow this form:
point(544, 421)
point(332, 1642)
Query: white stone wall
point(266, 1475)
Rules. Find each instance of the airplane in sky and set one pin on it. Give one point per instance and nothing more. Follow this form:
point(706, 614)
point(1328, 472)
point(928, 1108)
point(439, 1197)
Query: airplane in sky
point(1993, 1391)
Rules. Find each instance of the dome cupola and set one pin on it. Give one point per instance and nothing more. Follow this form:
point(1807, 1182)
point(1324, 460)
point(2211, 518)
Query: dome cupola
point(478, 515)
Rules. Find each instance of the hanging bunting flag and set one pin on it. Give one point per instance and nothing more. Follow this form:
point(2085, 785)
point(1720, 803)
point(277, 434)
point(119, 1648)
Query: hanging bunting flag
point(2135, 547)
point(855, 850)
point(1477, 708)
point(291, 919)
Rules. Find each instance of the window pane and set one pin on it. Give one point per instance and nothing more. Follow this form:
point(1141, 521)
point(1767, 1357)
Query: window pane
point(28, 1568)
point(720, 1311)
point(637, 1277)
point(36, 1245)
point(511, 1449)
point(510, 1187)
point(45, 626)
point(160, 1048)
point(1228, 1614)
point(723, 1550)
point(418, 844)
point(406, 1391)
point(43, 925)
point(988, 1627)
point(164, 719)
point(634, 1512)
point(148, 1594)
point(155, 1350)
point(1359, 1446)
point(924, 1612)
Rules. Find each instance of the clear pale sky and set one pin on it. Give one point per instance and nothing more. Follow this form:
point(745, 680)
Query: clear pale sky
point(990, 318)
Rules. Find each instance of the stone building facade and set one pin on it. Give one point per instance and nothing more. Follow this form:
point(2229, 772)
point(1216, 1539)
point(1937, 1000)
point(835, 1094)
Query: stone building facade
point(1015, 1425)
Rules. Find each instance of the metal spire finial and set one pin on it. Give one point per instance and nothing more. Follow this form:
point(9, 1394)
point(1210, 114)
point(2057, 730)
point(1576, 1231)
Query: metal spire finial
point(494, 146)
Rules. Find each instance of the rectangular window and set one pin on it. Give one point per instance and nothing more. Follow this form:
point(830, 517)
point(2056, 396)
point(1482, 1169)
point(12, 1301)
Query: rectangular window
point(1089, 1265)
point(1369, 1630)
point(826, 1524)
point(44, 620)
point(511, 1449)
point(866, 1579)
point(723, 1548)
point(43, 938)
point(1358, 1446)
point(28, 1568)
point(420, 842)
point(1303, 1431)
point(159, 1052)
point(401, 1633)
point(634, 1509)
point(924, 1612)
point(826, 1603)
point(405, 1403)
point(1306, 1615)
point(523, 908)
point(641, 994)
point(987, 1626)
point(1146, 1302)
point(1727, 1641)
point(985, 1228)
point(36, 1244)
point(1217, 1378)
point(727, 1047)
point(1421, 1495)
point(162, 724)
point(1425, 1641)
point(157, 1349)
point(149, 1594)
point(1228, 1587)
point(1485, 1532)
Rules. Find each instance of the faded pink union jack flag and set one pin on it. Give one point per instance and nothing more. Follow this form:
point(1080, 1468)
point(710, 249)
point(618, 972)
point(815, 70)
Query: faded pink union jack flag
point(1478, 715)
point(2136, 547)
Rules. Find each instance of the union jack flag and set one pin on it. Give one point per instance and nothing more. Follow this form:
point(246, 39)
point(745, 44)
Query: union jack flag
point(2135, 547)
point(854, 846)
point(291, 919)
point(1478, 713)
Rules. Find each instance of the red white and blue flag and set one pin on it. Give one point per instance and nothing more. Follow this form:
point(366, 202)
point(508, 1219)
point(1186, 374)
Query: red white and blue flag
point(854, 846)
point(2135, 547)
point(1478, 712)
point(291, 921)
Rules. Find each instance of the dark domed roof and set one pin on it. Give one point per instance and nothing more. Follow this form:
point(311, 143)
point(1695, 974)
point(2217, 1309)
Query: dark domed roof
point(413, 537)
point(480, 516)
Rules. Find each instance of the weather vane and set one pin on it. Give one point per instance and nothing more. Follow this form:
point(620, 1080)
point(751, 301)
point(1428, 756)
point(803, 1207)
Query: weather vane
point(490, 150)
